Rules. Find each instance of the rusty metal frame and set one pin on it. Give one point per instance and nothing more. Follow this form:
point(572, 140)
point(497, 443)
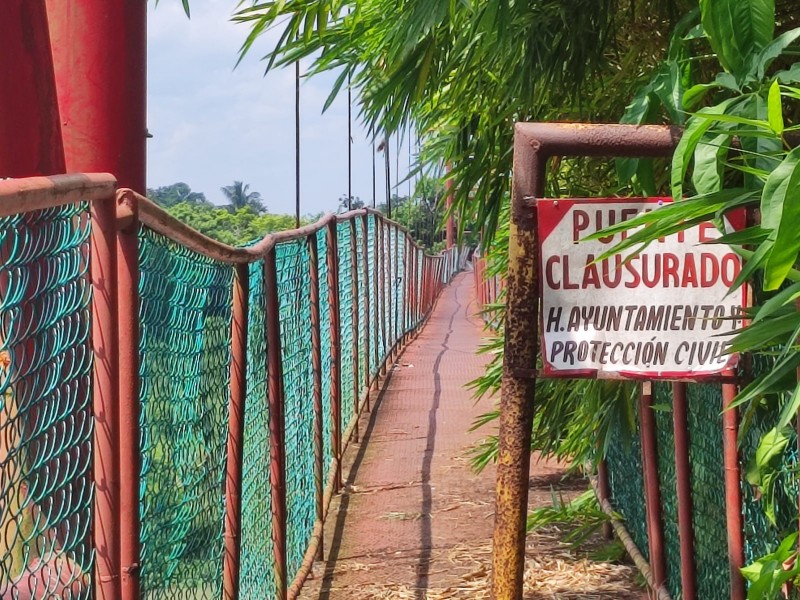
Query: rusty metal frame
point(103, 265)
point(235, 444)
point(277, 447)
point(534, 144)
point(652, 490)
point(128, 356)
point(683, 489)
point(733, 492)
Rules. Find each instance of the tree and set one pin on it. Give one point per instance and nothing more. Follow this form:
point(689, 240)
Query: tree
point(239, 197)
point(464, 72)
point(171, 195)
point(355, 203)
point(234, 228)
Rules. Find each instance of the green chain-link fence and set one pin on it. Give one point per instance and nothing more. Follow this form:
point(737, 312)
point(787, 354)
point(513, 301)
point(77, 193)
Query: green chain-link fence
point(46, 418)
point(185, 341)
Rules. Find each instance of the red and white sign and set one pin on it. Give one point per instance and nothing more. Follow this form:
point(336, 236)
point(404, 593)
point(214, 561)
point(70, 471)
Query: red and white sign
point(665, 312)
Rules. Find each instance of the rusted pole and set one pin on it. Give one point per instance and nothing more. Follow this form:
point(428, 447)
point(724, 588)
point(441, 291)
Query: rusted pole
point(277, 446)
point(336, 352)
point(354, 312)
point(519, 376)
point(316, 368)
point(129, 448)
point(105, 399)
point(733, 492)
point(238, 394)
point(683, 484)
point(367, 309)
point(652, 492)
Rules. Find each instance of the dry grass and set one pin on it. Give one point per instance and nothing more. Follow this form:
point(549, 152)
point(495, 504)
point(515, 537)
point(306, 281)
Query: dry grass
point(553, 572)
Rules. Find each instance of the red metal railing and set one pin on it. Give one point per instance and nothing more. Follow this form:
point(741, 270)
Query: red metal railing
point(116, 219)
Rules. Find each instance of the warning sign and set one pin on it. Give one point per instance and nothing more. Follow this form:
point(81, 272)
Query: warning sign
point(665, 312)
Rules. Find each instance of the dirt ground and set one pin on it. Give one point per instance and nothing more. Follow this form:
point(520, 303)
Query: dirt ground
point(414, 521)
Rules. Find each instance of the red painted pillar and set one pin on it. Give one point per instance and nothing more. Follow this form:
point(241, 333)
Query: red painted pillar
point(30, 137)
point(100, 56)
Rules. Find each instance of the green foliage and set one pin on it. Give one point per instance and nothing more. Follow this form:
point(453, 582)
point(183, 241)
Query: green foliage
point(582, 517)
point(771, 574)
point(171, 195)
point(239, 197)
point(235, 228)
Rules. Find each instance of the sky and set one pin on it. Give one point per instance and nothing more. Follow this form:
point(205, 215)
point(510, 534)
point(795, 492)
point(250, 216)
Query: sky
point(213, 124)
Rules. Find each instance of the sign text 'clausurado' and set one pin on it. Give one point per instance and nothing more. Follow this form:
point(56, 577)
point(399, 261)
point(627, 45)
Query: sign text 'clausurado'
point(664, 312)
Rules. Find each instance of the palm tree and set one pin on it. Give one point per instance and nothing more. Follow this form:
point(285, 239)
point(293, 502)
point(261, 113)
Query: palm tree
point(239, 197)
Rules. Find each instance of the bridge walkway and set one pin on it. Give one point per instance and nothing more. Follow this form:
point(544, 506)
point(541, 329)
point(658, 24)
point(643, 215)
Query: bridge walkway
point(414, 521)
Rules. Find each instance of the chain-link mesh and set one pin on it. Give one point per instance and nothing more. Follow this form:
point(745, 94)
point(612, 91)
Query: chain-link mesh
point(257, 577)
point(185, 339)
point(346, 337)
point(624, 460)
point(46, 418)
point(325, 350)
point(707, 487)
point(374, 301)
point(665, 447)
point(708, 490)
point(363, 365)
point(295, 318)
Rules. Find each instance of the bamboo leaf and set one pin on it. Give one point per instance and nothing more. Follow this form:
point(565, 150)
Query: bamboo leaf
point(780, 210)
point(738, 30)
point(697, 127)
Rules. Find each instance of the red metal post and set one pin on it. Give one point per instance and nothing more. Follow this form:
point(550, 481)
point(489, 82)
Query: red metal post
point(655, 531)
point(336, 352)
point(733, 492)
point(382, 291)
point(277, 447)
point(354, 311)
point(376, 294)
point(390, 295)
point(316, 368)
point(238, 395)
point(129, 449)
point(29, 121)
point(683, 483)
point(100, 56)
point(105, 399)
point(367, 309)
